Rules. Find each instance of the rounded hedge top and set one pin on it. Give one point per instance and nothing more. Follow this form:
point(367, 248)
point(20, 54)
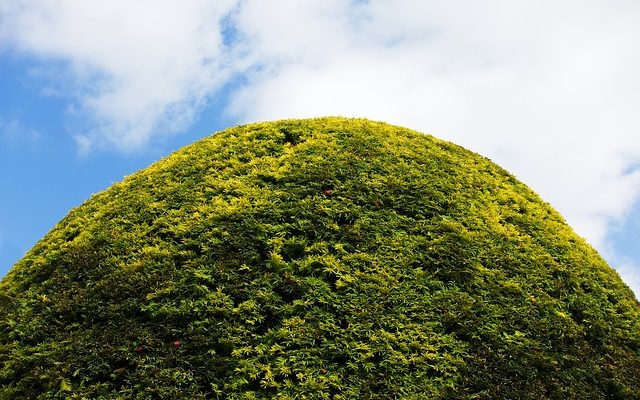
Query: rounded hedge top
point(317, 259)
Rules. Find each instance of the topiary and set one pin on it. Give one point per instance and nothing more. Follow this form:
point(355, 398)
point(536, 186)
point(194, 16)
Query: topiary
point(327, 258)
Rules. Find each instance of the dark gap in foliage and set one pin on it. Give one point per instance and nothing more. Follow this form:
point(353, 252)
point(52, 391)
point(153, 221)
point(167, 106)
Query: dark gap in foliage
point(463, 335)
point(271, 320)
point(261, 251)
point(293, 249)
point(327, 189)
point(345, 219)
point(254, 385)
point(221, 348)
point(240, 296)
point(72, 235)
point(290, 136)
point(331, 278)
point(164, 235)
point(586, 287)
point(289, 290)
point(312, 269)
point(193, 248)
point(268, 179)
point(338, 358)
point(450, 325)
point(378, 356)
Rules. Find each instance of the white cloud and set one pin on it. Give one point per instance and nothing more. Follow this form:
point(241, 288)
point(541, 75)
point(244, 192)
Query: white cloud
point(547, 89)
point(630, 273)
point(138, 69)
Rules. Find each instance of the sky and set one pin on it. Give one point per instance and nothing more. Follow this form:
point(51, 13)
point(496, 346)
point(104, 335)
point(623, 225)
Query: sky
point(91, 91)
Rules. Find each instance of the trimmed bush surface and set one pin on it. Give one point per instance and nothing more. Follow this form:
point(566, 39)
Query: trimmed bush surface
point(317, 259)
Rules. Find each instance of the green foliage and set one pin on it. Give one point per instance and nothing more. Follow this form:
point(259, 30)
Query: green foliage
point(317, 259)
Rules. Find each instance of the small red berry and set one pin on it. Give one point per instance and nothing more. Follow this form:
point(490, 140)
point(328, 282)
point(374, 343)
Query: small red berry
point(177, 343)
point(328, 192)
point(139, 349)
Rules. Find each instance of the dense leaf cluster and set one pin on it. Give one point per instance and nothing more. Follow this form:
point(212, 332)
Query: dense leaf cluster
point(317, 259)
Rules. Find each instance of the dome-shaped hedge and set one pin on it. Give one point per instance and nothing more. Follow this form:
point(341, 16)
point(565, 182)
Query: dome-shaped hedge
point(317, 259)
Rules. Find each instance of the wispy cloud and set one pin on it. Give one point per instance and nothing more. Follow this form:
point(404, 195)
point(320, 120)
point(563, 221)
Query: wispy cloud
point(547, 89)
point(13, 132)
point(136, 69)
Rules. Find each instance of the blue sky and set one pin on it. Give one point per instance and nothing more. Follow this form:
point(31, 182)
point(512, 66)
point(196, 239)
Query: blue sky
point(92, 91)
